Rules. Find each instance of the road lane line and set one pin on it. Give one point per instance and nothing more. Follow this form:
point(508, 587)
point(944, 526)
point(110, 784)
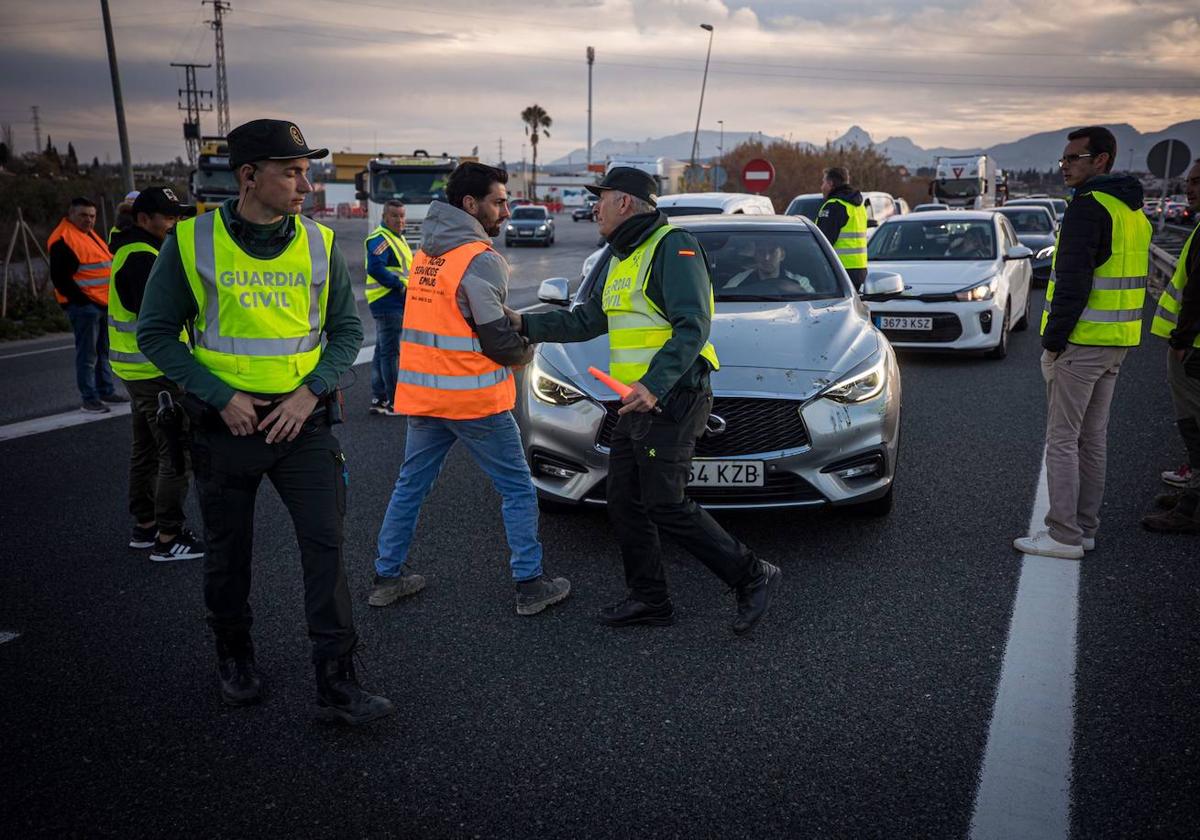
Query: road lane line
point(1025, 782)
point(54, 422)
point(8, 636)
point(36, 352)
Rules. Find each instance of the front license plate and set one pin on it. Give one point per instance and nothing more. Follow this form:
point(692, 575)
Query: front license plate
point(525, 233)
point(899, 322)
point(726, 474)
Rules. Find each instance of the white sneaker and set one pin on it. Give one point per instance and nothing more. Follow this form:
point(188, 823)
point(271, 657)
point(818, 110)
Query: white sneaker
point(1045, 545)
point(1089, 543)
point(1177, 477)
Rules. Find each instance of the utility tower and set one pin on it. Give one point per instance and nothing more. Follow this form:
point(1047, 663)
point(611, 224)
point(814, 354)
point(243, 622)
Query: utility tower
point(192, 100)
point(37, 130)
point(217, 24)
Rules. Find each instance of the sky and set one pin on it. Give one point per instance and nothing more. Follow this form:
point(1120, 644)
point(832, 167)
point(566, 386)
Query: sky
point(393, 75)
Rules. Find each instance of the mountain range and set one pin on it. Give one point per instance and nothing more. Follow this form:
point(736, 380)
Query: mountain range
point(1037, 151)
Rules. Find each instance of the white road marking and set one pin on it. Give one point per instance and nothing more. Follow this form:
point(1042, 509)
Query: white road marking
point(1025, 782)
point(8, 636)
point(54, 422)
point(36, 352)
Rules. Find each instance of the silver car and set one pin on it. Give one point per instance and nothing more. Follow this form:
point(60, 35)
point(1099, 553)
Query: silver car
point(806, 407)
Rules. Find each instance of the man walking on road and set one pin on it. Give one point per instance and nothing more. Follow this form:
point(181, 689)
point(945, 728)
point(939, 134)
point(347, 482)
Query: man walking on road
point(455, 385)
point(263, 284)
point(158, 478)
point(843, 220)
point(656, 305)
point(1177, 319)
point(388, 262)
point(80, 267)
point(1093, 315)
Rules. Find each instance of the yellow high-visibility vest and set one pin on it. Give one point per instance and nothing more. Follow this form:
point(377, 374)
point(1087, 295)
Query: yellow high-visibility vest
point(126, 357)
point(404, 257)
point(637, 328)
point(851, 245)
point(1113, 314)
point(1166, 317)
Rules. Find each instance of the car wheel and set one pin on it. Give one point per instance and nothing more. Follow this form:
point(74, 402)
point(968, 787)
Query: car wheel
point(1023, 324)
point(877, 508)
point(508, 243)
point(1001, 349)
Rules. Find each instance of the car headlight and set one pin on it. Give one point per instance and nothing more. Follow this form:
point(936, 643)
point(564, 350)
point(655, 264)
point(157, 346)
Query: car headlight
point(554, 391)
point(1046, 253)
point(860, 386)
point(542, 228)
point(984, 291)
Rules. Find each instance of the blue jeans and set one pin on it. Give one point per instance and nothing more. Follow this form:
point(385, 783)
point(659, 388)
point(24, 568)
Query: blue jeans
point(93, 375)
point(495, 444)
point(387, 356)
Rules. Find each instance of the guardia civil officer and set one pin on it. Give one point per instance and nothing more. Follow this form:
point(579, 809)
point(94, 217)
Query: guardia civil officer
point(388, 261)
point(263, 284)
point(843, 220)
point(656, 305)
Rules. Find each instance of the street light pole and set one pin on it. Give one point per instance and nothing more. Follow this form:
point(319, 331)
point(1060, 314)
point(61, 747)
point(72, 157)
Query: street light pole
point(118, 103)
point(703, 84)
point(591, 59)
point(721, 142)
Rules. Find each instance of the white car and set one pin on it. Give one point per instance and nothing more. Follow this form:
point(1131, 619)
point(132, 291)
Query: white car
point(966, 281)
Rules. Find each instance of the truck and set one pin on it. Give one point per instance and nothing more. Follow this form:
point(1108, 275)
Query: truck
point(965, 181)
point(212, 181)
point(417, 180)
point(660, 168)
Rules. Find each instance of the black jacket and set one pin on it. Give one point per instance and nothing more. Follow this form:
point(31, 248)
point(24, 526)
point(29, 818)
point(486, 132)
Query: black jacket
point(131, 279)
point(1084, 242)
point(833, 217)
point(1184, 334)
point(63, 265)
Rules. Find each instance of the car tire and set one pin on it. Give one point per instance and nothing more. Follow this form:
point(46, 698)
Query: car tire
point(1000, 351)
point(508, 243)
point(878, 508)
point(1023, 324)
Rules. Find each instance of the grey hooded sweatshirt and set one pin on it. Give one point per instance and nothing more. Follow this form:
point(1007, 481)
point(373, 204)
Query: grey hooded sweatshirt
point(484, 286)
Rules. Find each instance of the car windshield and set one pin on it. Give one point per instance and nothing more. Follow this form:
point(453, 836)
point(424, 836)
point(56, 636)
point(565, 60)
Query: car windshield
point(1060, 205)
point(1029, 221)
point(419, 187)
point(956, 187)
point(937, 239)
point(529, 213)
point(809, 207)
point(215, 182)
point(690, 210)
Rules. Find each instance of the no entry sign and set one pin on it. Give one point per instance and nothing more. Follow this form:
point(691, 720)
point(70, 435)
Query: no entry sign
point(758, 174)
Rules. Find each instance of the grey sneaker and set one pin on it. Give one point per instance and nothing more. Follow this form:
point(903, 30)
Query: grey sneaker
point(535, 595)
point(386, 590)
point(94, 407)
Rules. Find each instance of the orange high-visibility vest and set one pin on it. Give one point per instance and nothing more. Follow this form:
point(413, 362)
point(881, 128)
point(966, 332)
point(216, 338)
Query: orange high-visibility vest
point(443, 372)
point(95, 261)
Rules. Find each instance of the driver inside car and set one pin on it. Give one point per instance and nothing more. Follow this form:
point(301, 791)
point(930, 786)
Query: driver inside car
point(971, 245)
point(767, 275)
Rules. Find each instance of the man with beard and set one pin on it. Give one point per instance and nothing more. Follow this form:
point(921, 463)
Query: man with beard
point(454, 385)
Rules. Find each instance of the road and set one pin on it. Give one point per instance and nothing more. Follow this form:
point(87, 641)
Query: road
point(861, 707)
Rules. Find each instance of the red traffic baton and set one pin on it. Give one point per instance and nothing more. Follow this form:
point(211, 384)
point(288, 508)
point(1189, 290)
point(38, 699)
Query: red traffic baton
point(619, 388)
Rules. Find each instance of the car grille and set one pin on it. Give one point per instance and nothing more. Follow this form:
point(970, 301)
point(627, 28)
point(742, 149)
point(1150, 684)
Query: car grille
point(778, 488)
point(946, 327)
point(752, 425)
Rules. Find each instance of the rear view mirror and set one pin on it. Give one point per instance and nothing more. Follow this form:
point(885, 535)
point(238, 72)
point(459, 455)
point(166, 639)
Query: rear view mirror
point(555, 291)
point(1018, 252)
point(881, 285)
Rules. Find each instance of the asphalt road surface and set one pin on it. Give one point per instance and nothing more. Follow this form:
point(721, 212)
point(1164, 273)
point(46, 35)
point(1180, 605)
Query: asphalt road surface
point(860, 707)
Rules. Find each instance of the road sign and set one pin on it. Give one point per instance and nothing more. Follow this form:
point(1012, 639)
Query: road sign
point(718, 177)
point(758, 175)
point(693, 177)
point(1168, 158)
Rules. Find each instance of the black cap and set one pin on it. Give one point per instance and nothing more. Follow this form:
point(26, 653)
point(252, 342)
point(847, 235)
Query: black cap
point(626, 179)
point(161, 200)
point(268, 140)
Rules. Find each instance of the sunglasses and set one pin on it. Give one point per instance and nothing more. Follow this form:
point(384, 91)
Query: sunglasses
point(1067, 160)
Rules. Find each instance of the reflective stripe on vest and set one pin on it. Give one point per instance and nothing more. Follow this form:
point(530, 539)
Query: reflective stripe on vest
point(442, 370)
point(126, 357)
point(95, 261)
point(637, 328)
point(1166, 316)
point(1112, 316)
point(260, 320)
point(401, 253)
point(851, 245)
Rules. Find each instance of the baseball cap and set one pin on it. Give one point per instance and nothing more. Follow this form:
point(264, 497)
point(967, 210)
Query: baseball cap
point(626, 179)
point(269, 140)
point(161, 200)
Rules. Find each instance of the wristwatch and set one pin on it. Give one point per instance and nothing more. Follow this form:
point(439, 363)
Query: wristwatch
point(318, 388)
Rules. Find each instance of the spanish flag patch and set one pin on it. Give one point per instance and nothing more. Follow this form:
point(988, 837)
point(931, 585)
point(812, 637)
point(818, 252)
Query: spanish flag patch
point(684, 252)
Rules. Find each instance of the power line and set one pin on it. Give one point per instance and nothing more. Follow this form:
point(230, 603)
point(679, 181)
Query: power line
point(193, 103)
point(220, 6)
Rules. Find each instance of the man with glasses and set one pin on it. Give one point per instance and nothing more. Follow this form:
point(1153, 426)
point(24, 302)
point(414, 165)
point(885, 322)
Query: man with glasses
point(1092, 317)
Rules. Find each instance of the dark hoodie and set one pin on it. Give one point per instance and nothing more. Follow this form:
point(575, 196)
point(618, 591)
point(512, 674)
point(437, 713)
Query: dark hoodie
point(1084, 242)
point(135, 273)
point(833, 217)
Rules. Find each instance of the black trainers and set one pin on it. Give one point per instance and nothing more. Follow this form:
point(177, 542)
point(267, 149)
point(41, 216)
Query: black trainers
point(143, 537)
point(185, 546)
point(754, 597)
point(115, 398)
point(386, 590)
point(340, 698)
point(241, 683)
point(378, 406)
point(535, 595)
point(94, 407)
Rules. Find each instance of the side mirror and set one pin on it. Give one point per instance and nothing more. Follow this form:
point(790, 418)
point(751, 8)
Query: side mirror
point(872, 223)
point(360, 185)
point(1018, 252)
point(556, 291)
point(881, 285)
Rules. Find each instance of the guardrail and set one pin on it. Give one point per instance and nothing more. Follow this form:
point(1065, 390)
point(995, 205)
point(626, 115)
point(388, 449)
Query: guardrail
point(1162, 266)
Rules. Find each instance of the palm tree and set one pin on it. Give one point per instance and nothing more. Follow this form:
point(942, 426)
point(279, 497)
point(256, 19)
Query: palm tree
point(536, 122)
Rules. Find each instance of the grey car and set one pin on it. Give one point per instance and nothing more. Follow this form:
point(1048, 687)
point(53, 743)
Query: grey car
point(531, 223)
point(807, 400)
point(1036, 229)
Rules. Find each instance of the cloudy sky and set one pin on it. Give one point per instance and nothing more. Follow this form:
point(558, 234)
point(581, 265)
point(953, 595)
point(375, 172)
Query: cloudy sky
point(448, 76)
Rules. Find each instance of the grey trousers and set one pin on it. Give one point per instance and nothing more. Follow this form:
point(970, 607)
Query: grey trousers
point(1079, 389)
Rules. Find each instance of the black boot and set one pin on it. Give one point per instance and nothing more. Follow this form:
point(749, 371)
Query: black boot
point(241, 684)
point(340, 699)
point(754, 596)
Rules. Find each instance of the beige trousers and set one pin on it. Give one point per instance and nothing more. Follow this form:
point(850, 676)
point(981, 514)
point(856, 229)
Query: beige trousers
point(1079, 389)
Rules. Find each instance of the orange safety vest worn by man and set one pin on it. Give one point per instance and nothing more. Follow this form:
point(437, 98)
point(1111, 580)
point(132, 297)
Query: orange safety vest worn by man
point(80, 265)
point(455, 385)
